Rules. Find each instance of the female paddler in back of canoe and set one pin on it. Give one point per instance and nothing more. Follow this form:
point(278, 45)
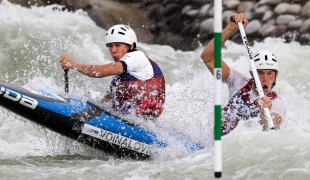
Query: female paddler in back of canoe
point(245, 102)
point(138, 83)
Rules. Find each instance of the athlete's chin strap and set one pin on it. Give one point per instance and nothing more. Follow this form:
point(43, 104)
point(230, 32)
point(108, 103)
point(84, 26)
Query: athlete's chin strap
point(274, 83)
point(275, 80)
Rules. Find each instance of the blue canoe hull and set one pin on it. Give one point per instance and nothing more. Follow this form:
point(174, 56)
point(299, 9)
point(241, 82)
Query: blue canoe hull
point(84, 122)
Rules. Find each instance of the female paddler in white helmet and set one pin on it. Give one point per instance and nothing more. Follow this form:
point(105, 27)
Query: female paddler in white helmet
point(245, 102)
point(138, 83)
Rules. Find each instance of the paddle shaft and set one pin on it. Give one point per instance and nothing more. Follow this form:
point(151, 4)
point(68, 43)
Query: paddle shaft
point(255, 75)
point(66, 81)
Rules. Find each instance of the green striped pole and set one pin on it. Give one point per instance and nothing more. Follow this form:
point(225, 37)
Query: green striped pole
point(218, 88)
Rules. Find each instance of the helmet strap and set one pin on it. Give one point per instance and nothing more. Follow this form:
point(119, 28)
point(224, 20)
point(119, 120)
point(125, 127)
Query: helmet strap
point(132, 47)
point(275, 79)
point(274, 83)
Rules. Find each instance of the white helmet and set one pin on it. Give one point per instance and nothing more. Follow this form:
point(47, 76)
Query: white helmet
point(120, 33)
point(266, 60)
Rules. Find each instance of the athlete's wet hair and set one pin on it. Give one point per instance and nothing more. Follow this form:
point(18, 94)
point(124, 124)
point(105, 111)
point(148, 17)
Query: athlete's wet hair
point(132, 49)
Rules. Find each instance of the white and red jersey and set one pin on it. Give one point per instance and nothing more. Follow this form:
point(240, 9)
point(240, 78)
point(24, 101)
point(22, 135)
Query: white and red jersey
point(141, 87)
point(242, 103)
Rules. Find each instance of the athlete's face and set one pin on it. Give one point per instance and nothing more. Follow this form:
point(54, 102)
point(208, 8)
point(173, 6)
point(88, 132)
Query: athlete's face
point(267, 78)
point(117, 50)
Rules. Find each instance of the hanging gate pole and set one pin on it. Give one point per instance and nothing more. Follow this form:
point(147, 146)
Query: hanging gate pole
point(218, 88)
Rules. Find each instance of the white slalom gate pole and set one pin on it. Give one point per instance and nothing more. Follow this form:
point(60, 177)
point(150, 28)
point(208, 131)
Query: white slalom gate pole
point(218, 88)
point(254, 71)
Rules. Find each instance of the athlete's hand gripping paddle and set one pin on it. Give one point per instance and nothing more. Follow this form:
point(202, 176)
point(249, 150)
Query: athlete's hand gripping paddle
point(254, 71)
point(66, 80)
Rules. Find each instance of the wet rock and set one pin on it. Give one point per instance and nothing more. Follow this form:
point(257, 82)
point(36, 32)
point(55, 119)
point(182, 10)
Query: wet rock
point(294, 9)
point(267, 28)
point(278, 31)
point(305, 39)
point(282, 8)
point(182, 24)
point(226, 15)
point(232, 4)
point(267, 15)
point(295, 24)
point(285, 19)
point(253, 27)
point(267, 18)
point(305, 12)
point(204, 10)
point(245, 6)
point(305, 27)
point(207, 26)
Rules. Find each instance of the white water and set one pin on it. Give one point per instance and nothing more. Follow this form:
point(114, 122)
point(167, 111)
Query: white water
point(31, 41)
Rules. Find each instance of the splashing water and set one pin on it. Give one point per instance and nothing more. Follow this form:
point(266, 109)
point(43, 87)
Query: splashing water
point(32, 41)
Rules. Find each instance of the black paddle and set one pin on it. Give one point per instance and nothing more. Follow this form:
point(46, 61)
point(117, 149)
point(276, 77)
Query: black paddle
point(66, 81)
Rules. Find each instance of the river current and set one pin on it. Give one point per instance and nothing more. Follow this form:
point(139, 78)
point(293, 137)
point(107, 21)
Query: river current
point(31, 42)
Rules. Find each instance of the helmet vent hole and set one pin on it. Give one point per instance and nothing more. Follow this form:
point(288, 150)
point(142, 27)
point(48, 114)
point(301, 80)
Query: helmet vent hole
point(274, 60)
point(266, 57)
point(121, 33)
point(124, 29)
point(112, 31)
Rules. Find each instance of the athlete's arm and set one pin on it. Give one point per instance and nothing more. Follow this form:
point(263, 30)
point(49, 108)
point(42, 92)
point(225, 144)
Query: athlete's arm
point(207, 54)
point(97, 71)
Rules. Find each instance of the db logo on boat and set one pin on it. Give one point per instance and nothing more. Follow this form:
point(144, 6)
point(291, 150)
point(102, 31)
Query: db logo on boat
point(14, 96)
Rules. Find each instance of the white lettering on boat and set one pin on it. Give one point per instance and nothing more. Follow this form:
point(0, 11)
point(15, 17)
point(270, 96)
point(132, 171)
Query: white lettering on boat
point(2, 89)
point(118, 139)
point(15, 96)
